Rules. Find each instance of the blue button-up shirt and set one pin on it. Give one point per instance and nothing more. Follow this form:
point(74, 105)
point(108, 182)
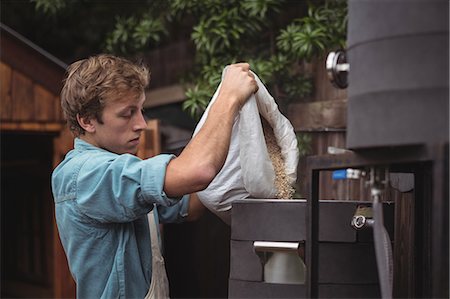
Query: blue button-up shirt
point(101, 203)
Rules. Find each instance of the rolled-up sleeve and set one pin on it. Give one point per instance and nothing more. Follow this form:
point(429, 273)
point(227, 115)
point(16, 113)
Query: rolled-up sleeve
point(121, 188)
point(176, 213)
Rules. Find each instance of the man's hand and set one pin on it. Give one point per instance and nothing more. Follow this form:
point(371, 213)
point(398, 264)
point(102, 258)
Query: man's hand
point(238, 84)
point(196, 208)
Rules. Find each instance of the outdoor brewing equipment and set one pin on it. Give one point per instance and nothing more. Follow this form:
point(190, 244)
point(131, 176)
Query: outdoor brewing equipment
point(397, 124)
point(358, 245)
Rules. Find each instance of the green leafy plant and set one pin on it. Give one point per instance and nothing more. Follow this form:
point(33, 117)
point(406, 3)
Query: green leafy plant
point(49, 6)
point(228, 36)
point(323, 28)
point(278, 47)
point(304, 144)
point(134, 33)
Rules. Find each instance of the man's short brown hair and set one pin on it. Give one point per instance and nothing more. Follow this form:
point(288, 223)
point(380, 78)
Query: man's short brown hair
point(93, 81)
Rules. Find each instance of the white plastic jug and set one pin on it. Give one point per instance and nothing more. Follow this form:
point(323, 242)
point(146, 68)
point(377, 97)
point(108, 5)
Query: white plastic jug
point(284, 267)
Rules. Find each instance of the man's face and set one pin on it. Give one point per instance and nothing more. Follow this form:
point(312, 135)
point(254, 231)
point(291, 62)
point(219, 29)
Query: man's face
point(122, 125)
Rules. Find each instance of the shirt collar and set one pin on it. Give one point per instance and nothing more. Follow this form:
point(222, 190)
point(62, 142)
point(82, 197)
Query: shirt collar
point(82, 145)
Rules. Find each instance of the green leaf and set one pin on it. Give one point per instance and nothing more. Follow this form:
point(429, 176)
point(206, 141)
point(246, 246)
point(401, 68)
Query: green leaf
point(50, 6)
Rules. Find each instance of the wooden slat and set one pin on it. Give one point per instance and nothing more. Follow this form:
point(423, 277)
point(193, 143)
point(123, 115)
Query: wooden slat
point(28, 59)
point(153, 125)
point(27, 290)
point(165, 95)
point(64, 285)
point(44, 106)
point(404, 262)
point(5, 92)
point(150, 143)
point(324, 90)
point(48, 228)
point(22, 97)
point(170, 62)
point(320, 141)
point(58, 110)
point(318, 115)
point(62, 145)
point(31, 126)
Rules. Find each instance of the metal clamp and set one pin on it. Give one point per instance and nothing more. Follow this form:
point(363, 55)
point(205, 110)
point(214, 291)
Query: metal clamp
point(362, 218)
point(337, 68)
point(360, 222)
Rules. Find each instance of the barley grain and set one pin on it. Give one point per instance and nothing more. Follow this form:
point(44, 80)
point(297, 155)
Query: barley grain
point(284, 189)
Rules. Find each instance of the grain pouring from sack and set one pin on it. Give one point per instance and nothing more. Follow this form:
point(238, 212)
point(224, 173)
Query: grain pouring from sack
point(284, 189)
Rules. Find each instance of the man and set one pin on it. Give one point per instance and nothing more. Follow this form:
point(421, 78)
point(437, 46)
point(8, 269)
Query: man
point(103, 192)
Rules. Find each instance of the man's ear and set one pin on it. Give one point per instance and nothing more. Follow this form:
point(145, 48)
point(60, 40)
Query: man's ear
point(86, 123)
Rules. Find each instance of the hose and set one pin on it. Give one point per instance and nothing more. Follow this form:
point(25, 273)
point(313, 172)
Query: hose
point(383, 249)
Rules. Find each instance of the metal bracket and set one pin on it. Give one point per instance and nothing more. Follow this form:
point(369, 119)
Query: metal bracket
point(337, 68)
point(362, 218)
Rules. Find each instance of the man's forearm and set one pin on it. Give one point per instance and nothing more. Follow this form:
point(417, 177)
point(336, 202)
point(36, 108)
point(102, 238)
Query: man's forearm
point(205, 154)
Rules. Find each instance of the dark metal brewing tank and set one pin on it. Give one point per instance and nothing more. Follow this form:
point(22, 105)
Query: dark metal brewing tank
point(398, 51)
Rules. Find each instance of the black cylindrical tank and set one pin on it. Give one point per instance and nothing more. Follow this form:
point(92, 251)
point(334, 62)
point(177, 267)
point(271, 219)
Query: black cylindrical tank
point(398, 51)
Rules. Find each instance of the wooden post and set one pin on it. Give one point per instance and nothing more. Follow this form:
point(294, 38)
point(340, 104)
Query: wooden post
point(150, 143)
point(63, 283)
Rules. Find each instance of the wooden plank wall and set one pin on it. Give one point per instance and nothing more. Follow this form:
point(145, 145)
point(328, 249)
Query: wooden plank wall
point(169, 63)
point(25, 100)
point(323, 118)
point(327, 107)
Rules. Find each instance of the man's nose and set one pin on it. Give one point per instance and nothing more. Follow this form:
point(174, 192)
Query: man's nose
point(140, 123)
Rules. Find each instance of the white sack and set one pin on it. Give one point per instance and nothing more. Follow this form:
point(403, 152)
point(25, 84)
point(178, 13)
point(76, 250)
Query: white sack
point(248, 170)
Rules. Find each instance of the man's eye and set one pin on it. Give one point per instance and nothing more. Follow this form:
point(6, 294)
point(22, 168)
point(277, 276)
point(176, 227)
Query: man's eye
point(126, 115)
